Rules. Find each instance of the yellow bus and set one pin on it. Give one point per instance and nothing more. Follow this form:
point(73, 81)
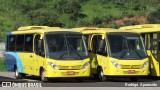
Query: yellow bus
point(48, 52)
point(116, 53)
point(151, 37)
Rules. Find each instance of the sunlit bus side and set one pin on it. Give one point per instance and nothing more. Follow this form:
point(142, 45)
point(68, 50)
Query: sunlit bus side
point(48, 52)
point(151, 37)
point(116, 53)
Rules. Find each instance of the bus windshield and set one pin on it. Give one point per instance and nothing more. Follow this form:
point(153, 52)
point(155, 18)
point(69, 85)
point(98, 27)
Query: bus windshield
point(128, 46)
point(66, 46)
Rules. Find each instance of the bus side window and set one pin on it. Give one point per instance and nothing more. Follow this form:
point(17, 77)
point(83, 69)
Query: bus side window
point(86, 40)
point(94, 44)
point(153, 44)
point(39, 51)
point(20, 43)
point(11, 43)
point(101, 47)
point(144, 38)
point(28, 43)
point(37, 37)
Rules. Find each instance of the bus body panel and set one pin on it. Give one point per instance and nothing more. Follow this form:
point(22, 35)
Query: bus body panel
point(151, 36)
point(32, 63)
point(12, 59)
point(154, 65)
point(111, 70)
point(68, 66)
point(104, 61)
point(134, 65)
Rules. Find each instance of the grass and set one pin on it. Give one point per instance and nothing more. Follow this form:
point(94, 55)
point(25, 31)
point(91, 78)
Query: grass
point(2, 66)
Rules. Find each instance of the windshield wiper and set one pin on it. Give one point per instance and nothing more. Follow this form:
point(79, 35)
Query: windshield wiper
point(77, 54)
point(135, 51)
point(62, 55)
point(124, 53)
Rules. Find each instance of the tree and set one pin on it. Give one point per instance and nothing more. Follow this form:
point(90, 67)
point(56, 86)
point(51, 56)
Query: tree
point(154, 16)
point(71, 7)
point(44, 17)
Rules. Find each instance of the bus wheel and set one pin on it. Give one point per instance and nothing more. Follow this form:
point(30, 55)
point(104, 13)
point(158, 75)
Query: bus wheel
point(134, 79)
point(43, 76)
point(17, 74)
point(101, 76)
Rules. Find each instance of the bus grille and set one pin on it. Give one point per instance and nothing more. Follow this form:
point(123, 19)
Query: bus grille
point(130, 66)
point(69, 67)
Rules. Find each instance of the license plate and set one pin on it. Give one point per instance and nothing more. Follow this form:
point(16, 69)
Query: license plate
point(131, 71)
point(70, 72)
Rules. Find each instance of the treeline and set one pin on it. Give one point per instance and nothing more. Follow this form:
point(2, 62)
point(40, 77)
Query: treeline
point(74, 13)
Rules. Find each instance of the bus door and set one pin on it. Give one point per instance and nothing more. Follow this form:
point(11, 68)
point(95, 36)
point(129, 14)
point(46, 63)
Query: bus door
point(39, 54)
point(98, 52)
point(153, 51)
point(158, 51)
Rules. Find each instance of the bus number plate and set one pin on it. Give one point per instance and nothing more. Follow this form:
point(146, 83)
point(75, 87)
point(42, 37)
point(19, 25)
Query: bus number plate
point(70, 73)
point(131, 71)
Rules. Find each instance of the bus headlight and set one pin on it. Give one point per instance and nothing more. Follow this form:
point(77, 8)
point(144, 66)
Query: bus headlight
point(115, 64)
point(85, 65)
point(53, 65)
point(145, 64)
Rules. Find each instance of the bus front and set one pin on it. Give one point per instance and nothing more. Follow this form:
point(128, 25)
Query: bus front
point(128, 56)
point(67, 55)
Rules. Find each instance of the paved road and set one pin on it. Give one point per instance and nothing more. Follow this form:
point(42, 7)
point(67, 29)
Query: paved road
point(61, 82)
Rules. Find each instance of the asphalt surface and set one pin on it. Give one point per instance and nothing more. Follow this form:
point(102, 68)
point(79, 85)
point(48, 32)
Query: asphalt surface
point(88, 82)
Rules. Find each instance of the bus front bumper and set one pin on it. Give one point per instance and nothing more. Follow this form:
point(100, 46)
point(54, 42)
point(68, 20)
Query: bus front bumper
point(127, 72)
point(51, 73)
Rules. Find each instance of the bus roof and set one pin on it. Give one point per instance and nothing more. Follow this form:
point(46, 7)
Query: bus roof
point(144, 28)
point(39, 29)
point(87, 30)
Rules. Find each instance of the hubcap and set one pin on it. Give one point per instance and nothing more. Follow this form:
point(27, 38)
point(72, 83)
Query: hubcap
point(16, 73)
point(43, 75)
point(100, 74)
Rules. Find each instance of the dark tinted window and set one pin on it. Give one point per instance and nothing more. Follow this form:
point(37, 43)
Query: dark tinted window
point(97, 43)
point(36, 44)
point(94, 45)
point(28, 43)
point(11, 43)
point(86, 40)
point(19, 42)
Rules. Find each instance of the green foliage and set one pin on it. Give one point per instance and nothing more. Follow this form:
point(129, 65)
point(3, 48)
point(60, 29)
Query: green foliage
point(73, 13)
point(2, 66)
point(154, 16)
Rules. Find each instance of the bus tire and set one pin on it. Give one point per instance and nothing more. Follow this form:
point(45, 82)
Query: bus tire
point(43, 77)
point(134, 79)
point(17, 74)
point(101, 76)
